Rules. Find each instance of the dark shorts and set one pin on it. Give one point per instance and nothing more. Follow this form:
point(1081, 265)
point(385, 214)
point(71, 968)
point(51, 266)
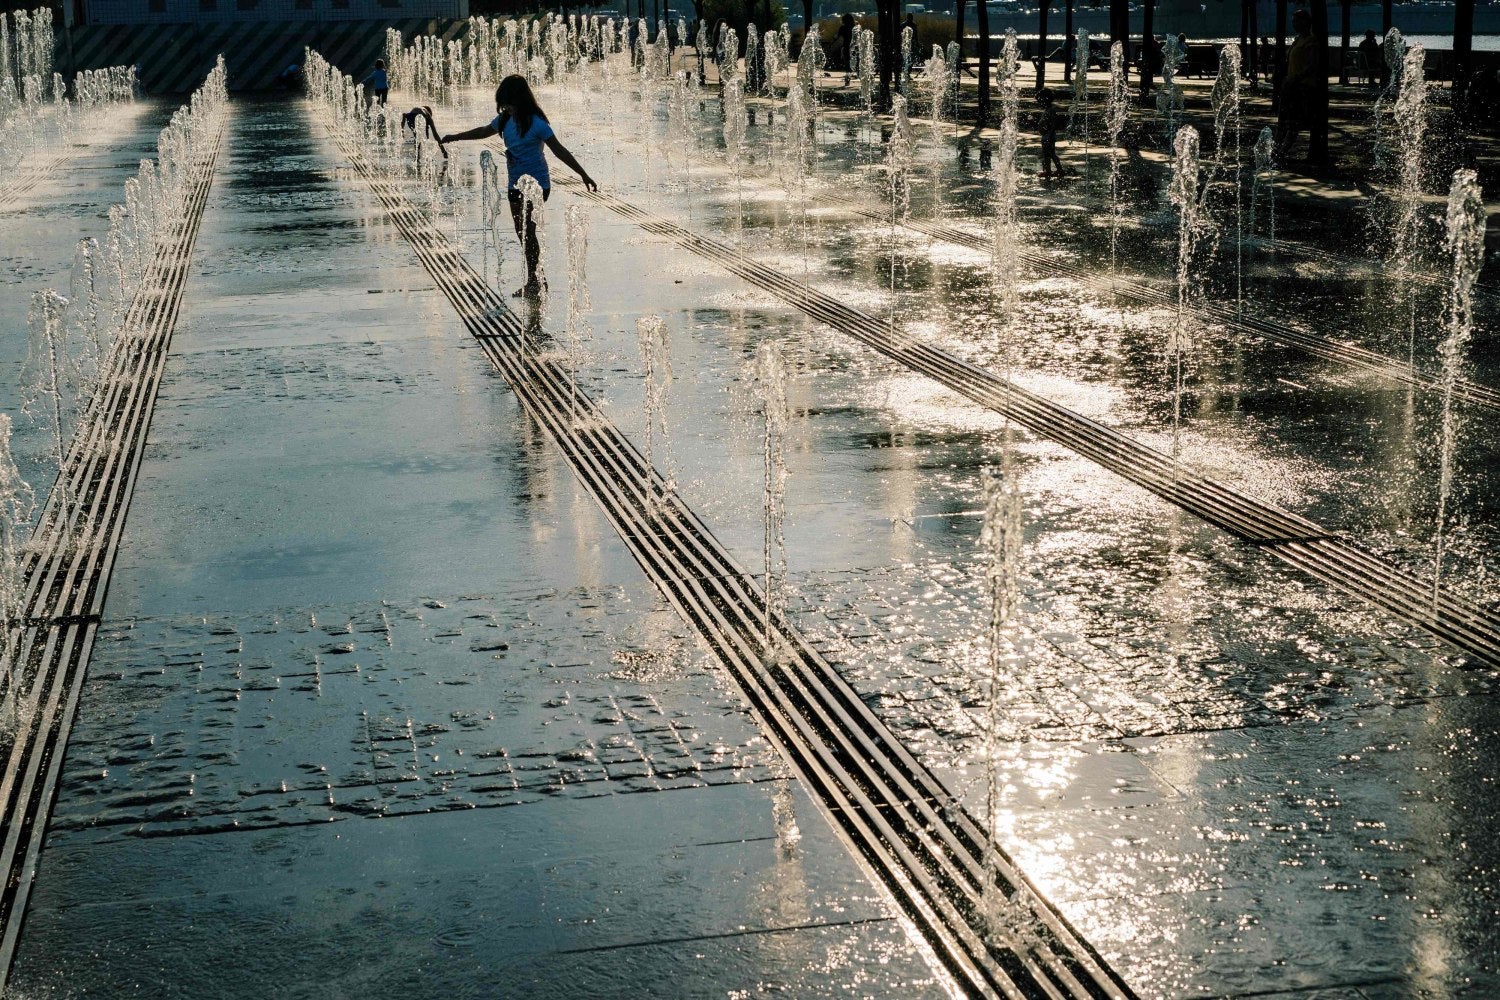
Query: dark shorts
point(382, 94)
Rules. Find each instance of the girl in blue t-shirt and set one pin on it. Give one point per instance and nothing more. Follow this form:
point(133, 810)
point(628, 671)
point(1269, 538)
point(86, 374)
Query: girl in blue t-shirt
point(523, 125)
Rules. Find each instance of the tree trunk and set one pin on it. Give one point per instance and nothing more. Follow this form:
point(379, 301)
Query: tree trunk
point(809, 30)
point(1463, 55)
point(1278, 71)
point(1245, 6)
point(958, 21)
point(1255, 67)
point(1119, 31)
point(1386, 16)
point(1317, 140)
point(1068, 54)
point(698, 28)
point(1041, 62)
point(982, 8)
point(1344, 41)
point(885, 33)
point(1148, 30)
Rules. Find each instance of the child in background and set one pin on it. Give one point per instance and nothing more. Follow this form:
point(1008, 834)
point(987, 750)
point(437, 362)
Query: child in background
point(1050, 121)
point(379, 84)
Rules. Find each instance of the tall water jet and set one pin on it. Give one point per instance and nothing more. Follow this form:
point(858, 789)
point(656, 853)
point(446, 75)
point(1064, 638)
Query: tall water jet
point(1117, 111)
point(50, 391)
point(1411, 134)
point(656, 356)
point(1225, 99)
point(935, 75)
point(1265, 179)
point(1007, 921)
point(753, 64)
point(734, 142)
point(17, 505)
point(865, 55)
point(810, 62)
point(1169, 98)
point(904, 77)
point(774, 55)
point(899, 158)
point(1394, 53)
point(494, 208)
point(1005, 259)
point(795, 138)
point(1466, 225)
point(1078, 110)
point(770, 387)
point(1186, 198)
point(576, 224)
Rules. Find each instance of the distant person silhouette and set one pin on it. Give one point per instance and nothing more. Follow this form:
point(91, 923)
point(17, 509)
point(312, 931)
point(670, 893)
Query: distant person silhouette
point(1051, 120)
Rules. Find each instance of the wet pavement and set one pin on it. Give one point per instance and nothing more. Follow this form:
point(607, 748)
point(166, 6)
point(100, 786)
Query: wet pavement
point(366, 608)
point(361, 604)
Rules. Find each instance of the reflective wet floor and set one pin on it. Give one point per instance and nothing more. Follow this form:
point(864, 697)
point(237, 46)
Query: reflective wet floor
point(381, 705)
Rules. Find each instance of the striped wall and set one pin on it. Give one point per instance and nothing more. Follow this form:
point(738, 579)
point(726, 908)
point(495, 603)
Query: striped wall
point(174, 58)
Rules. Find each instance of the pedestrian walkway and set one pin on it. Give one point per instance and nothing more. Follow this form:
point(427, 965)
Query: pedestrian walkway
point(360, 606)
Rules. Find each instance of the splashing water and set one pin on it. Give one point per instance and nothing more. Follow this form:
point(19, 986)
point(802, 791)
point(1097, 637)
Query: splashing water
point(1265, 178)
point(532, 218)
point(576, 225)
point(1007, 920)
point(656, 355)
point(1466, 225)
point(935, 75)
point(795, 138)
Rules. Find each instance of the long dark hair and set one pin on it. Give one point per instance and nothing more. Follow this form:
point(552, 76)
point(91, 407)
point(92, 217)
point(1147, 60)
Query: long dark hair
point(515, 91)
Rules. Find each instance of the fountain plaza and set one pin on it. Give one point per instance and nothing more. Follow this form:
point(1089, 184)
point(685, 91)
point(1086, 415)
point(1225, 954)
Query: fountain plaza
point(867, 571)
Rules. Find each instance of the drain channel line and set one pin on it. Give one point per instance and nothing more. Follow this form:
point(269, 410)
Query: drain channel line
point(29, 179)
point(69, 560)
point(1304, 544)
point(910, 831)
point(1339, 352)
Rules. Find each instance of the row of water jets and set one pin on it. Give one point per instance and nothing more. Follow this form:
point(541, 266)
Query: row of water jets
point(36, 107)
point(81, 340)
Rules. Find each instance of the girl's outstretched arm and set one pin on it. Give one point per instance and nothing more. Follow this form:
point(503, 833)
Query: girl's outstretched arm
point(482, 132)
point(561, 152)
